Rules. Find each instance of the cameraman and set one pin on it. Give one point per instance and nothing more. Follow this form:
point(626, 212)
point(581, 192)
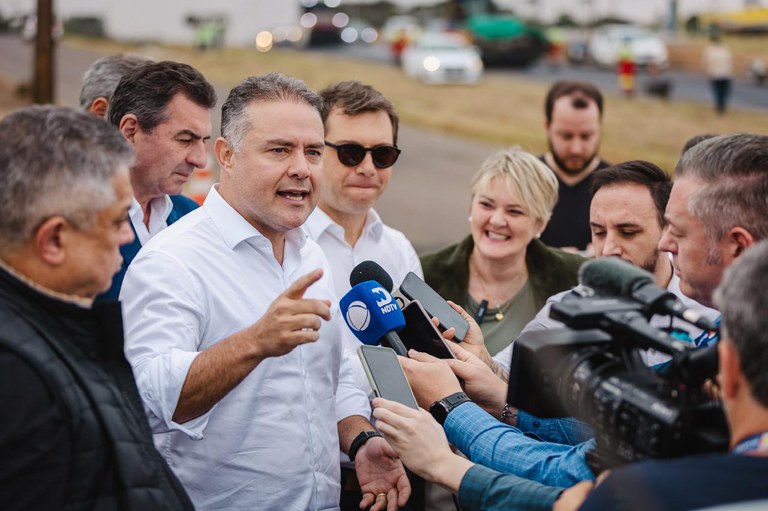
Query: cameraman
point(716, 210)
point(686, 483)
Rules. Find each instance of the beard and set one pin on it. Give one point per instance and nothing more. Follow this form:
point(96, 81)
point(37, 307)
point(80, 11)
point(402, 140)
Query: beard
point(650, 263)
point(564, 166)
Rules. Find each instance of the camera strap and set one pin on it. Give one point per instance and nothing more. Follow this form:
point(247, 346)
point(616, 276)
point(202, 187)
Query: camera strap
point(754, 443)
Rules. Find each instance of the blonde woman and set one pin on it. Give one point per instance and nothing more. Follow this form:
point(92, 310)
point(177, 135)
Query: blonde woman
point(501, 273)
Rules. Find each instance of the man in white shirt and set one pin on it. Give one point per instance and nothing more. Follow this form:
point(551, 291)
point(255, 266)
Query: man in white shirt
point(361, 135)
point(163, 109)
point(234, 333)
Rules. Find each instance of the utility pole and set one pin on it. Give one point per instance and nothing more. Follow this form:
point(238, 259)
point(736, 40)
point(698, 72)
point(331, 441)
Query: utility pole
point(42, 87)
point(672, 27)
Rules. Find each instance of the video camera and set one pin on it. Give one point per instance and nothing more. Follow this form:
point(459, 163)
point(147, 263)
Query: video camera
point(593, 370)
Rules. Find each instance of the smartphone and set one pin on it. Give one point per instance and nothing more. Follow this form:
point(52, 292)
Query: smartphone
point(413, 288)
point(419, 333)
point(385, 375)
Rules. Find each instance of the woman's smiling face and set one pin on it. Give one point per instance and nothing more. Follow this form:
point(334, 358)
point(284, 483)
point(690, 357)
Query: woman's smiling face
point(502, 226)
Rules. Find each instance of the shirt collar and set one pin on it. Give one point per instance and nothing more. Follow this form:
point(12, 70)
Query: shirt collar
point(161, 206)
point(319, 222)
point(235, 229)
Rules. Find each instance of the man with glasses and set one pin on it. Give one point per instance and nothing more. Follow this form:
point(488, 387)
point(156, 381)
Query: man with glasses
point(361, 148)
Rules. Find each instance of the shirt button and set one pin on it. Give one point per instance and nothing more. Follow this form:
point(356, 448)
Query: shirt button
point(317, 467)
point(536, 424)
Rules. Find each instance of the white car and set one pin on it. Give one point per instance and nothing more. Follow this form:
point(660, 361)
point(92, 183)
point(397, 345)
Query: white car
point(442, 58)
point(609, 41)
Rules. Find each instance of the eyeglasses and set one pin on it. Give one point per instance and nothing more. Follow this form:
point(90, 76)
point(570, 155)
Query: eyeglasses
point(384, 156)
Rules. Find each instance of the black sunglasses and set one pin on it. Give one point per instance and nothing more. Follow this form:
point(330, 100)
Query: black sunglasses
point(384, 156)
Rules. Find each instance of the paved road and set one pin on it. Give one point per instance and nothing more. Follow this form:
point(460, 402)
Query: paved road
point(427, 197)
point(685, 86)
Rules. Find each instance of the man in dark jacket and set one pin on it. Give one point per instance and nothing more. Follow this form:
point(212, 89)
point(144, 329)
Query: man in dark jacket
point(73, 434)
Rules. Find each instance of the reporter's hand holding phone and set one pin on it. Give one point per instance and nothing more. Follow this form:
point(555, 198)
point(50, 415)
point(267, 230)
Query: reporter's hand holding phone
point(431, 378)
point(474, 342)
point(481, 384)
point(420, 442)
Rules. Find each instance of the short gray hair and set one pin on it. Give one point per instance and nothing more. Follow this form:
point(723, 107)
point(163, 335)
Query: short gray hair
point(743, 302)
point(527, 177)
point(102, 77)
point(264, 88)
point(734, 169)
point(55, 161)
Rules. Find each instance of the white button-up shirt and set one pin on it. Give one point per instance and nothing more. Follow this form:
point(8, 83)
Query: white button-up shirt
point(379, 243)
point(159, 210)
point(272, 442)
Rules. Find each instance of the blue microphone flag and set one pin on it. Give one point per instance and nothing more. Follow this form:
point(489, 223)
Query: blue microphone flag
point(370, 312)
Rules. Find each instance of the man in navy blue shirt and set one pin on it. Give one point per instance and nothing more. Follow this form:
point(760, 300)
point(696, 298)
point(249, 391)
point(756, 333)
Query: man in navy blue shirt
point(163, 109)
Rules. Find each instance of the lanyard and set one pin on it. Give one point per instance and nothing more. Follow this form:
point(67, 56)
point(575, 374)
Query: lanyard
point(754, 443)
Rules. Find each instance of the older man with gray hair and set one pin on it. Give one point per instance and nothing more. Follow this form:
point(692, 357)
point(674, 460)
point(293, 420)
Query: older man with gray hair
point(73, 434)
point(234, 333)
point(101, 79)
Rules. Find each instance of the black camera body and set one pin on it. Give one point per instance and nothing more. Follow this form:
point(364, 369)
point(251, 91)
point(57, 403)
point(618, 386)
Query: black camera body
point(593, 370)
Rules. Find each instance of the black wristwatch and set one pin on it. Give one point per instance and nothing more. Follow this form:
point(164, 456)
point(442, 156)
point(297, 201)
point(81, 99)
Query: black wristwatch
point(441, 409)
point(358, 442)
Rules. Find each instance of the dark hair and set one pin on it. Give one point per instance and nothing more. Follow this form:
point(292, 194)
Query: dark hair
point(355, 98)
point(695, 140)
point(581, 92)
point(147, 91)
point(262, 88)
point(734, 170)
point(743, 301)
point(639, 172)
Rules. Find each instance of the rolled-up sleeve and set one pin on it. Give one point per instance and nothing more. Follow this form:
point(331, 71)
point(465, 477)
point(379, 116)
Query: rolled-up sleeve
point(351, 399)
point(163, 314)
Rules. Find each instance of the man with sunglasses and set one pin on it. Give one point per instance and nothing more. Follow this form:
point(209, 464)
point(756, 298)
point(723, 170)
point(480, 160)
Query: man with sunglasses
point(361, 148)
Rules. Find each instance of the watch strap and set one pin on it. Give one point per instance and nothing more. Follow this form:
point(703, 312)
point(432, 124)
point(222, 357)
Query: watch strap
point(440, 409)
point(358, 442)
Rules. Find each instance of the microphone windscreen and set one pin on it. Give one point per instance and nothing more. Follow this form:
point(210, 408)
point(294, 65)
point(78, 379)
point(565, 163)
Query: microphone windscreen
point(370, 312)
point(610, 276)
point(369, 270)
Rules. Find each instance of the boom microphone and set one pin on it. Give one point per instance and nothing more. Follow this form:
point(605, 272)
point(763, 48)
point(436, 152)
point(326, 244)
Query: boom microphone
point(373, 315)
point(611, 276)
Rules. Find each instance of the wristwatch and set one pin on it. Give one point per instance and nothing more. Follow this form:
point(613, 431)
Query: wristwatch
point(441, 409)
point(358, 442)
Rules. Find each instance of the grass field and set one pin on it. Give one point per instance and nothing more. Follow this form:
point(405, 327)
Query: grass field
point(500, 110)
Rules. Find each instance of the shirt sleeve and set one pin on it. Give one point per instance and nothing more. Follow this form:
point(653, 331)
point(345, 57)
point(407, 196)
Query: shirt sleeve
point(163, 316)
point(486, 489)
point(565, 430)
point(351, 396)
point(414, 263)
point(35, 440)
point(501, 447)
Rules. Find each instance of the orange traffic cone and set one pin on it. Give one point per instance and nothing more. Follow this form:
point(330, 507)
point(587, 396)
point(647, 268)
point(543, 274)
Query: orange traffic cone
point(199, 185)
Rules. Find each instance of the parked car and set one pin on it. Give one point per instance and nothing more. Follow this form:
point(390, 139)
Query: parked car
point(442, 58)
point(646, 48)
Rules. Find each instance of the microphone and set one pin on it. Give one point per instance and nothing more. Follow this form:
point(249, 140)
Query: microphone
point(373, 315)
point(369, 270)
point(611, 276)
